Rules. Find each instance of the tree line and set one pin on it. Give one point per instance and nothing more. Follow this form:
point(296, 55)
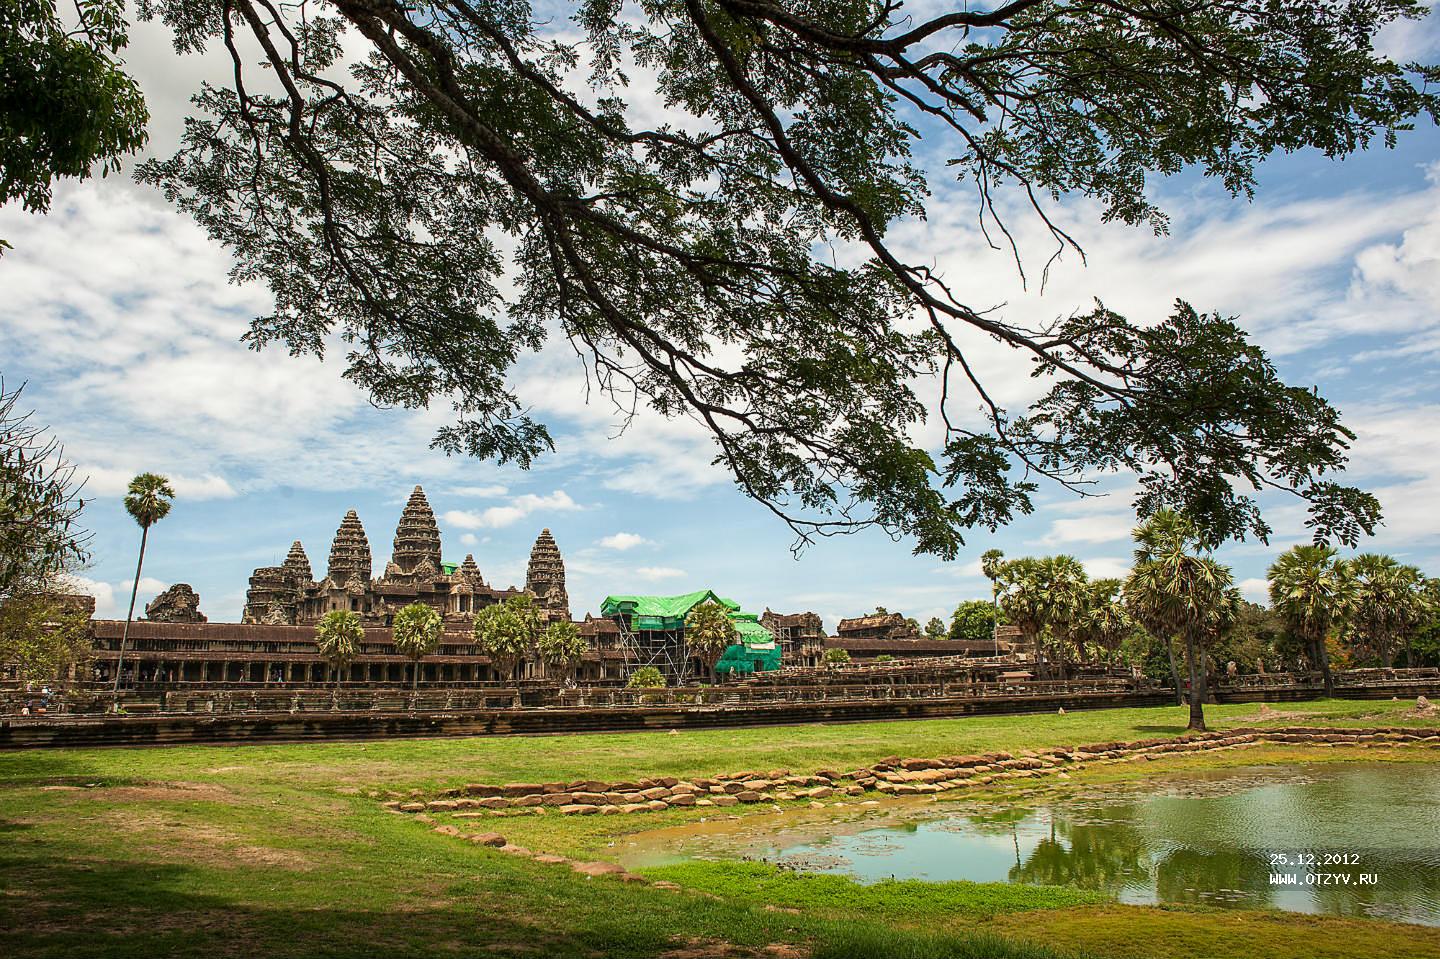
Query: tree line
point(1180, 607)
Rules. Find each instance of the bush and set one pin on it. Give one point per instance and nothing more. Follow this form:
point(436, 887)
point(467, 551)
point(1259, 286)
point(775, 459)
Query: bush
point(837, 657)
point(646, 677)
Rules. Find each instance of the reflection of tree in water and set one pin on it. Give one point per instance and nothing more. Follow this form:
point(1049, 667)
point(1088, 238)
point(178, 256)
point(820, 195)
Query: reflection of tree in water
point(1101, 856)
point(1233, 876)
point(1408, 888)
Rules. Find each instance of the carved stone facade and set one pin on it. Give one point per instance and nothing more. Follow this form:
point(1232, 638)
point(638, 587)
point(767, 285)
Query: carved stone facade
point(287, 595)
point(178, 604)
point(801, 636)
point(545, 579)
point(877, 626)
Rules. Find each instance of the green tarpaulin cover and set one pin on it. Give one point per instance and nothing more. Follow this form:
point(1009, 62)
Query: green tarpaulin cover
point(757, 649)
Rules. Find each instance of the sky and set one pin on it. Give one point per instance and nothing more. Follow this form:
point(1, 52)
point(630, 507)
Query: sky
point(116, 313)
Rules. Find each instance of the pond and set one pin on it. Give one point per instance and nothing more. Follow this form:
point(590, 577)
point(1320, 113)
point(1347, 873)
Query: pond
point(1351, 839)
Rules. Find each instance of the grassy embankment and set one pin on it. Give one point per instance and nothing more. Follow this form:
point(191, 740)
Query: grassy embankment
point(277, 850)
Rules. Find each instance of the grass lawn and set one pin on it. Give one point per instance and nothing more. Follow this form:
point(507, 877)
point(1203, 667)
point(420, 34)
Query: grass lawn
point(279, 850)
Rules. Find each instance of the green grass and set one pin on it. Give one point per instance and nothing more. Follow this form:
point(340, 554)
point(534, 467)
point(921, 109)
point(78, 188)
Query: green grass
point(277, 850)
point(898, 901)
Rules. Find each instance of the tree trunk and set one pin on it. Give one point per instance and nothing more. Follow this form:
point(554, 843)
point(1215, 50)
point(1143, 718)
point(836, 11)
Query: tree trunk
point(1387, 653)
point(1324, 657)
point(1409, 653)
point(1174, 671)
point(1197, 682)
point(125, 633)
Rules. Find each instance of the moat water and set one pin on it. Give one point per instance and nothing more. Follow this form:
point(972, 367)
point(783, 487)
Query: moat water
point(1348, 839)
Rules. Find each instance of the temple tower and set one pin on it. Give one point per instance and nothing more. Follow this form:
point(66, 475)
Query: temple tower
point(417, 538)
point(469, 572)
point(299, 564)
point(350, 552)
point(545, 578)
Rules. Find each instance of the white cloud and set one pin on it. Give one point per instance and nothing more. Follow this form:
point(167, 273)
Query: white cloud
point(106, 481)
point(521, 506)
point(478, 492)
point(470, 539)
point(1107, 567)
point(1100, 528)
point(112, 599)
point(654, 573)
point(1256, 590)
point(624, 541)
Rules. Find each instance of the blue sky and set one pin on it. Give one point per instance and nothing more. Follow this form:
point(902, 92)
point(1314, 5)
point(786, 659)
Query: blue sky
point(117, 312)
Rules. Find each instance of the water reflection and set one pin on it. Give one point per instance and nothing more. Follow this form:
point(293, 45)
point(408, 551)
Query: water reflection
point(1347, 839)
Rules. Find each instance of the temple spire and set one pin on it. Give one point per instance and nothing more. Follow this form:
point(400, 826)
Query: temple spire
point(545, 578)
point(350, 552)
point(298, 563)
point(417, 536)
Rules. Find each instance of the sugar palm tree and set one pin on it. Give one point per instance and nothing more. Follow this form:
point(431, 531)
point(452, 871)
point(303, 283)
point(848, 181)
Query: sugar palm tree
point(416, 634)
point(1105, 622)
point(709, 631)
point(1066, 597)
point(337, 639)
point(147, 500)
point(506, 631)
point(1313, 592)
point(990, 562)
point(1021, 589)
point(560, 645)
point(1387, 605)
point(1175, 589)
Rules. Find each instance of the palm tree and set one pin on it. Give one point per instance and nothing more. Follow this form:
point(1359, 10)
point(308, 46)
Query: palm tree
point(148, 502)
point(1173, 590)
point(1066, 597)
point(337, 638)
point(561, 644)
point(1388, 604)
point(1314, 593)
point(709, 631)
point(416, 634)
point(990, 562)
point(505, 632)
point(1022, 596)
point(1105, 622)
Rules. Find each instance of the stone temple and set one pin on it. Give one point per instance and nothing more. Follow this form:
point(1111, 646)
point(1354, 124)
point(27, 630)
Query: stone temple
point(289, 594)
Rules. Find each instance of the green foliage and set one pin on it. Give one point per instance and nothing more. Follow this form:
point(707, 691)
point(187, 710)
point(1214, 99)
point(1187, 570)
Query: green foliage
point(560, 644)
point(1045, 598)
point(1256, 642)
point(148, 499)
point(884, 658)
point(646, 677)
point(338, 636)
point(1104, 622)
point(709, 631)
point(1176, 589)
point(1313, 591)
point(687, 262)
point(41, 635)
point(40, 535)
point(1388, 606)
point(935, 628)
point(506, 631)
point(974, 620)
point(66, 106)
point(416, 630)
point(837, 657)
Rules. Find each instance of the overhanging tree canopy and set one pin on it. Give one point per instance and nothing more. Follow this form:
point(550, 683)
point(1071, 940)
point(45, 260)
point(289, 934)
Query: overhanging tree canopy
point(732, 264)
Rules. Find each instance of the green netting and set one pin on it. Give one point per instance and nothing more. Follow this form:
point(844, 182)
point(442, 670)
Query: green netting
point(757, 649)
point(661, 612)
